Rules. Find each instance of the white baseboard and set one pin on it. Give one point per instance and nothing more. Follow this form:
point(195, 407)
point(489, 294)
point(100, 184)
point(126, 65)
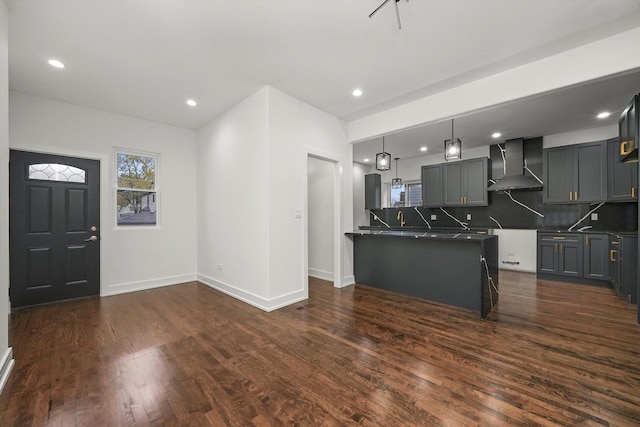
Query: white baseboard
point(123, 288)
point(321, 274)
point(348, 281)
point(6, 364)
point(265, 304)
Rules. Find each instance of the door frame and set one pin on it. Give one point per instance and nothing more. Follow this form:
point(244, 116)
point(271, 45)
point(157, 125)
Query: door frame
point(337, 215)
point(105, 197)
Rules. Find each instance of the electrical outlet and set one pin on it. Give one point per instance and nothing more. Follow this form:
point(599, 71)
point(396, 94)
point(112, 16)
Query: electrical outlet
point(219, 266)
point(468, 217)
point(434, 217)
point(594, 216)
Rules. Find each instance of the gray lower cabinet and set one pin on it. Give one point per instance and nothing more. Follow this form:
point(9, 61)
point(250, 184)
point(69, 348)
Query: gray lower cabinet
point(623, 265)
point(623, 177)
point(373, 191)
point(560, 255)
point(575, 173)
point(596, 260)
point(465, 182)
point(432, 186)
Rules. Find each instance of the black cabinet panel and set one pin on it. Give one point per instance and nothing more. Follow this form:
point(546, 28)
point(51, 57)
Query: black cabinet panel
point(576, 173)
point(596, 260)
point(465, 182)
point(432, 186)
point(372, 191)
point(622, 185)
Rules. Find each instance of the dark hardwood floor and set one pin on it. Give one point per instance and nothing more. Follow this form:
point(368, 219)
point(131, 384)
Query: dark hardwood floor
point(550, 354)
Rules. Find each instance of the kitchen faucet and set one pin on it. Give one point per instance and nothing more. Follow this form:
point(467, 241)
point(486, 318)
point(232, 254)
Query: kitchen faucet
point(400, 218)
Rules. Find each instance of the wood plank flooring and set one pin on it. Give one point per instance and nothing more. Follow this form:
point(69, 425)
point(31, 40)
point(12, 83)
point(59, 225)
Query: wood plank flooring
point(550, 354)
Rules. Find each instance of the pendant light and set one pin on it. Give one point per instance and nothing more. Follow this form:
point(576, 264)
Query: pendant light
point(396, 182)
point(383, 160)
point(452, 147)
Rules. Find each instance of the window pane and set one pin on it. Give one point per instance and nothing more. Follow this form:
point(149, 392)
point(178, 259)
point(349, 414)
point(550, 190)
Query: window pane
point(415, 194)
point(136, 207)
point(56, 172)
point(397, 196)
point(136, 171)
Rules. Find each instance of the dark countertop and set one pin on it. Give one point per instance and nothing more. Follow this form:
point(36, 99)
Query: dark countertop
point(624, 233)
point(428, 234)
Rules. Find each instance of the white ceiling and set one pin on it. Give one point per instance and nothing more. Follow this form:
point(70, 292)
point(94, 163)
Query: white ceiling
point(144, 58)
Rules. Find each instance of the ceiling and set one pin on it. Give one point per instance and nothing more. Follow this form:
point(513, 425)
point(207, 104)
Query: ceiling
point(569, 109)
point(145, 58)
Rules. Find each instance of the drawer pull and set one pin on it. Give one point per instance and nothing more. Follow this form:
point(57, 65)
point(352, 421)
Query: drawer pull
point(558, 238)
point(625, 148)
point(612, 254)
point(615, 243)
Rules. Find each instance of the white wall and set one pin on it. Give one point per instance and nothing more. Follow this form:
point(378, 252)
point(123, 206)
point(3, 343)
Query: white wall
point(131, 258)
point(6, 358)
point(297, 130)
point(320, 209)
point(580, 136)
point(360, 214)
point(261, 146)
point(517, 246)
point(233, 201)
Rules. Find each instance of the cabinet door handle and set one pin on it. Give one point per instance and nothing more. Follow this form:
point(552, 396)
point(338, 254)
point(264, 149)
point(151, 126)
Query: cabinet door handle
point(586, 240)
point(461, 200)
point(575, 195)
point(623, 148)
point(611, 255)
point(570, 195)
point(560, 247)
point(555, 248)
point(633, 192)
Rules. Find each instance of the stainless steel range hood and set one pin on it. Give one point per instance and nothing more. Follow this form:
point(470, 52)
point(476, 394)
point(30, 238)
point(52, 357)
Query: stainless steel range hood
point(514, 177)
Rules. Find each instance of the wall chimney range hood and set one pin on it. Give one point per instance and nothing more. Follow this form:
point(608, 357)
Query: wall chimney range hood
point(514, 177)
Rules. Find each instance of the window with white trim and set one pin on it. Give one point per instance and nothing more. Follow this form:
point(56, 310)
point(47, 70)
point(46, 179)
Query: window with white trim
point(136, 188)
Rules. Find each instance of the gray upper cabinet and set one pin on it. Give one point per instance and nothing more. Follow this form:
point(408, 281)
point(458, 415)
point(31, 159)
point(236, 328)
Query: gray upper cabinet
point(575, 173)
point(623, 177)
point(465, 182)
point(432, 186)
point(373, 191)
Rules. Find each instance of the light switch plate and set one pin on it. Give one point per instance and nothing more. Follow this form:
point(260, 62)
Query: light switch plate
point(594, 216)
point(434, 217)
point(297, 213)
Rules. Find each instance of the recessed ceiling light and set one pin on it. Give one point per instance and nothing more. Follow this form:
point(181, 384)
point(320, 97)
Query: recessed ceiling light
point(56, 63)
point(366, 160)
point(191, 103)
point(496, 134)
point(357, 92)
point(603, 115)
point(423, 148)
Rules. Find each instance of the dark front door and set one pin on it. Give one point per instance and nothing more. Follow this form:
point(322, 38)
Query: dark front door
point(54, 218)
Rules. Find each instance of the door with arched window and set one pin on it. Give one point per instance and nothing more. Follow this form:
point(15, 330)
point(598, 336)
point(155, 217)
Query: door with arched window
point(54, 228)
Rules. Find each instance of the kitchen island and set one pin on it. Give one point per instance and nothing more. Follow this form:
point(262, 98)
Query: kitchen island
point(447, 267)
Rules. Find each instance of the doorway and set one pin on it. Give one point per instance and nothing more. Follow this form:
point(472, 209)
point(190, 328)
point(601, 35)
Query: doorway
point(320, 218)
point(54, 228)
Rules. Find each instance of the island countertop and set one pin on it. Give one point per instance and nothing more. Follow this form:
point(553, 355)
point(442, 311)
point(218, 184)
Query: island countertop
point(447, 235)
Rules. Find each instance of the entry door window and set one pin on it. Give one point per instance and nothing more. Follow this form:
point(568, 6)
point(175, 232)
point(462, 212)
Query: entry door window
point(136, 189)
